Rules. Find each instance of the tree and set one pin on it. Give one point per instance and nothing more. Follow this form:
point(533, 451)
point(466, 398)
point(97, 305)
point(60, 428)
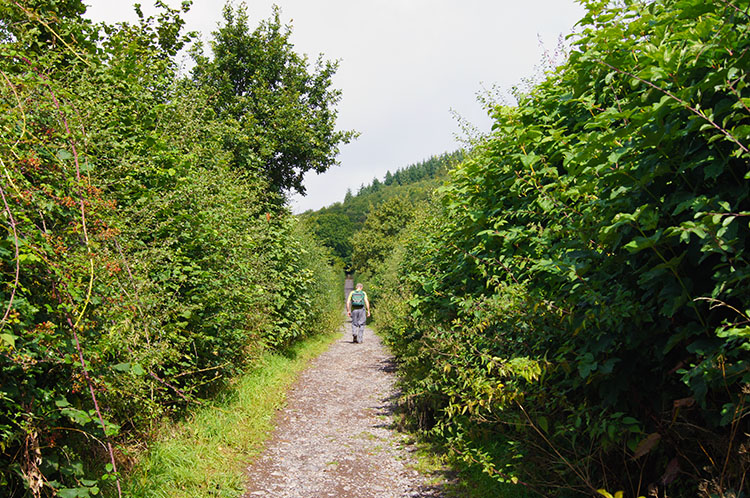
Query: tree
point(335, 231)
point(286, 113)
point(376, 240)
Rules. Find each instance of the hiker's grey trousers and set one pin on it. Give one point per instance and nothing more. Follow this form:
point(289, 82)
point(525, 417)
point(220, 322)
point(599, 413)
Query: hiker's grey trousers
point(359, 317)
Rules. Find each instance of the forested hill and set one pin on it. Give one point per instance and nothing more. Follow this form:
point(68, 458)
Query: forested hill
point(336, 224)
point(432, 168)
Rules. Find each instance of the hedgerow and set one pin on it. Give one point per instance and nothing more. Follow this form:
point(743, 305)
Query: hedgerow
point(141, 268)
point(576, 311)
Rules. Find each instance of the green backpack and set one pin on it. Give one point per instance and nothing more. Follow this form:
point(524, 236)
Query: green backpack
point(358, 298)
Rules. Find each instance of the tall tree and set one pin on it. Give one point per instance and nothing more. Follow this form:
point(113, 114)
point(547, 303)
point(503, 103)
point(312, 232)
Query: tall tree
point(285, 110)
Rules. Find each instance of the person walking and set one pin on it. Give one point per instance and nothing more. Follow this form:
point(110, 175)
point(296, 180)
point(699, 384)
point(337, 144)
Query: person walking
point(357, 305)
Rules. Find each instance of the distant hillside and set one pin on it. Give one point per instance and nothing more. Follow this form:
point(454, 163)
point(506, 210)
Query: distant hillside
point(336, 224)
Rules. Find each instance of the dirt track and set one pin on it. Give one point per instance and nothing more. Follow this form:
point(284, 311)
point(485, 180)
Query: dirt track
point(336, 437)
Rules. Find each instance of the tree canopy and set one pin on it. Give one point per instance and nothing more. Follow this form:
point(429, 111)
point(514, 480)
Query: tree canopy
point(284, 110)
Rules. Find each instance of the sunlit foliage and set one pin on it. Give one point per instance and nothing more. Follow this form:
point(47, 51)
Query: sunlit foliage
point(141, 267)
point(575, 315)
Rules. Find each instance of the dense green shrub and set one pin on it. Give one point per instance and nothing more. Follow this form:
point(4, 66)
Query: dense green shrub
point(141, 267)
point(577, 311)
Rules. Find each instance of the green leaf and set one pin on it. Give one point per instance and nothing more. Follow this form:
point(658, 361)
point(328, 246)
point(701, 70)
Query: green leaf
point(8, 339)
point(122, 367)
point(80, 417)
point(640, 243)
point(543, 423)
point(73, 493)
point(62, 403)
point(742, 333)
point(64, 155)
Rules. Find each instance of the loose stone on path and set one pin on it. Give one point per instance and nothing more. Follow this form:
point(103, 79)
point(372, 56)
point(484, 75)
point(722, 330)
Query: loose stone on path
point(335, 436)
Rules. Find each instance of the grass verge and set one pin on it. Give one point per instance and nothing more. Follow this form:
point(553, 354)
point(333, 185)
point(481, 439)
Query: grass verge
point(205, 455)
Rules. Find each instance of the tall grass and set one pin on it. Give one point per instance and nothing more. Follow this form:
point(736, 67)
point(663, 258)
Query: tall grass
point(204, 456)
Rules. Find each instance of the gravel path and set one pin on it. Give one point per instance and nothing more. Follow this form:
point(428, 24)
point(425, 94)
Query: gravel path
point(336, 436)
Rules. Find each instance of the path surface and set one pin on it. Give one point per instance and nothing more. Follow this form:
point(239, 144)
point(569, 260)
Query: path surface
point(335, 436)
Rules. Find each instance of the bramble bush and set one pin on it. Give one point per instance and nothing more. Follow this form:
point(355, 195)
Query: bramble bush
point(141, 268)
point(577, 308)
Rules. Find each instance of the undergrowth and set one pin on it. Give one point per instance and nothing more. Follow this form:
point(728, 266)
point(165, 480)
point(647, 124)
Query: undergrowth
point(457, 478)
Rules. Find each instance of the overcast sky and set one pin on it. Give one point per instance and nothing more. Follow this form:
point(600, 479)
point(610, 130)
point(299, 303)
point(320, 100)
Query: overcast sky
point(405, 65)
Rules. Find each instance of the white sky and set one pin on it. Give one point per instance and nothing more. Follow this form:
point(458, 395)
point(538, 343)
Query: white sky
point(405, 64)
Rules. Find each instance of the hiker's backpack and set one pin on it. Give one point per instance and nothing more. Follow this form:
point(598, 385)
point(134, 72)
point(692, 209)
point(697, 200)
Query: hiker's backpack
point(358, 298)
